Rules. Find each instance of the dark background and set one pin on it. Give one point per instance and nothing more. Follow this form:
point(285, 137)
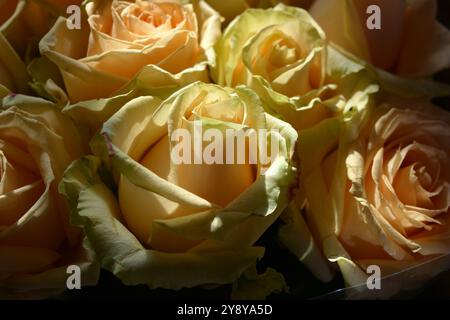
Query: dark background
point(303, 285)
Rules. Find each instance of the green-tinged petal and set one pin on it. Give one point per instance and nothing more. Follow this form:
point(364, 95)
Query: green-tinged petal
point(229, 48)
point(352, 273)
point(254, 286)
point(93, 113)
point(390, 83)
point(320, 140)
point(121, 253)
point(152, 81)
point(78, 176)
point(409, 88)
point(161, 83)
point(137, 125)
point(297, 238)
point(4, 91)
point(138, 122)
point(271, 189)
point(289, 134)
point(323, 183)
point(323, 79)
point(46, 80)
point(78, 77)
point(188, 245)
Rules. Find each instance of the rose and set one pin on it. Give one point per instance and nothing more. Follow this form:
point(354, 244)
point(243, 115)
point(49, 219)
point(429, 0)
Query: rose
point(24, 22)
point(410, 42)
point(37, 242)
point(377, 190)
point(162, 45)
point(276, 51)
point(179, 225)
point(231, 9)
point(282, 54)
point(283, 45)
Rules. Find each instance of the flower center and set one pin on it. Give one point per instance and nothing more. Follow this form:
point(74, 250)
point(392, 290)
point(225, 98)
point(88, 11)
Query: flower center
point(282, 54)
point(153, 14)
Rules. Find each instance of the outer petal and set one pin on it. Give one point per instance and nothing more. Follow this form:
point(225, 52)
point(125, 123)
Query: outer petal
point(223, 233)
point(152, 81)
point(13, 73)
point(45, 282)
point(35, 272)
point(121, 253)
point(78, 77)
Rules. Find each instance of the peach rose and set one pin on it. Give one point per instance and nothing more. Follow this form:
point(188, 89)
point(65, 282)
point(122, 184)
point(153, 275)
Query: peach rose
point(378, 191)
point(164, 43)
point(174, 224)
point(410, 42)
point(37, 243)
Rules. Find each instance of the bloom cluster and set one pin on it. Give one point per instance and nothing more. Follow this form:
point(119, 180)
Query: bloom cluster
point(160, 139)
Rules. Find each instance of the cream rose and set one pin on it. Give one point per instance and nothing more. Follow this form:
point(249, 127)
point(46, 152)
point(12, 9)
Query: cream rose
point(410, 42)
point(176, 225)
point(282, 54)
point(282, 45)
point(380, 195)
point(161, 44)
point(37, 242)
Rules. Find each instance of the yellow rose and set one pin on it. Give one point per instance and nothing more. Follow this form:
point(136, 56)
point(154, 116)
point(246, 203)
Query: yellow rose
point(176, 225)
point(165, 44)
point(283, 45)
point(278, 52)
point(282, 54)
point(410, 42)
point(377, 188)
point(37, 243)
point(25, 22)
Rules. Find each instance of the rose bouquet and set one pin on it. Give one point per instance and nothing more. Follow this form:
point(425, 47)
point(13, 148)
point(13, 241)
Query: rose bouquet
point(181, 144)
